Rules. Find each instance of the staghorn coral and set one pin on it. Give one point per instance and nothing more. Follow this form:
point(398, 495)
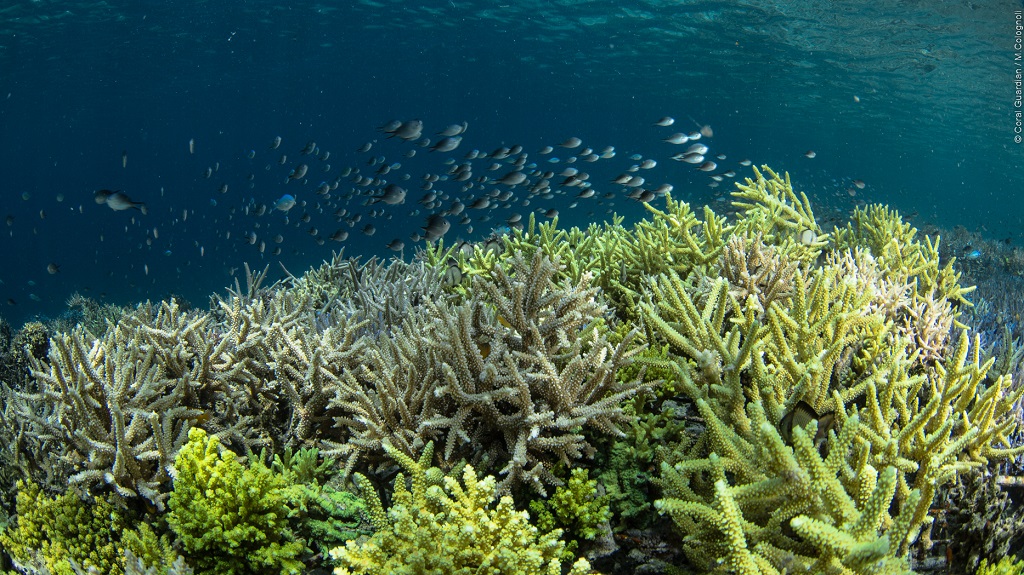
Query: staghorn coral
point(113, 407)
point(442, 525)
point(785, 220)
point(901, 256)
point(767, 496)
point(509, 378)
point(754, 269)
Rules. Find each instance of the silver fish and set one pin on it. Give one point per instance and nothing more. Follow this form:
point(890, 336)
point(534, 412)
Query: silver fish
point(119, 201)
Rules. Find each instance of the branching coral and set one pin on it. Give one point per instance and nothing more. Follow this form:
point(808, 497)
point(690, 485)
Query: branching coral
point(510, 377)
point(833, 348)
point(119, 412)
point(66, 534)
point(772, 208)
point(230, 519)
point(442, 525)
point(754, 269)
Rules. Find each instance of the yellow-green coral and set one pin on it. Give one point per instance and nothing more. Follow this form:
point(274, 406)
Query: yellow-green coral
point(53, 532)
point(575, 507)
point(773, 209)
point(900, 254)
point(451, 528)
point(1006, 566)
point(230, 519)
point(829, 347)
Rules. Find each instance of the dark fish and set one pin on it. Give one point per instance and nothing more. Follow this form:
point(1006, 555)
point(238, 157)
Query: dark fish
point(393, 194)
point(410, 130)
point(299, 172)
point(276, 143)
point(512, 179)
point(369, 229)
point(572, 142)
point(810, 154)
point(52, 268)
point(801, 415)
point(447, 144)
point(435, 227)
point(396, 245)
point(310, 146)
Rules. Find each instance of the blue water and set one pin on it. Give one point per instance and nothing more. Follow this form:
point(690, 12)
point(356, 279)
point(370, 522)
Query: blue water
point(915, 99)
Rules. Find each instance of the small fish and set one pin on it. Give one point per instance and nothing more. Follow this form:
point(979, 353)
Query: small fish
point(666, 121)
point(276, 143)
point(52, 268)
point(299, 172)
point(801, 415)
point(453, 130)
point(119, 201)
point(572, 142)
point(393, 194)
point(435, 227)
point(810, 154)
point(285, 203)
point(410, 130)
point(396, 245)
point(124, 159)
point(369, 229)
point(679, 138)
point(708, 166)
point(446, 144)
point(745, 162)
point(512, 179)
point(859, 183)
point(310, 146)
point(192, 146)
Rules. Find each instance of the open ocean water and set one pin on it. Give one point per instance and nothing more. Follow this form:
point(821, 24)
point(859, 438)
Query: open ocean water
point(170, 102)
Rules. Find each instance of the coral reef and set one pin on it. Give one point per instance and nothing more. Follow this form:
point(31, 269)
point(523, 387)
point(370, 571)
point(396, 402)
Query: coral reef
point(1006, 566)
point(749, 394)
